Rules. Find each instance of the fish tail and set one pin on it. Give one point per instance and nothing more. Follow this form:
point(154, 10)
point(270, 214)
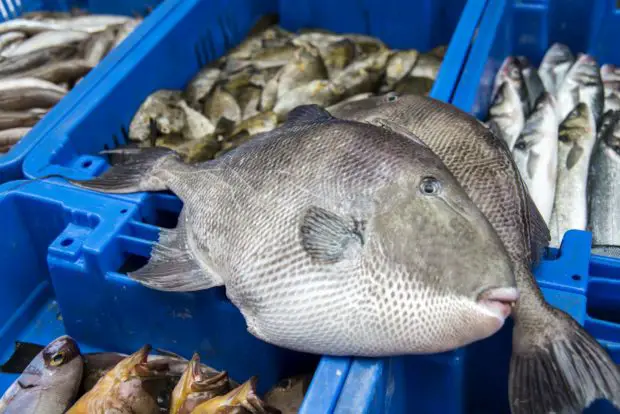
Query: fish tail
point(557, 367)
point(133, 170)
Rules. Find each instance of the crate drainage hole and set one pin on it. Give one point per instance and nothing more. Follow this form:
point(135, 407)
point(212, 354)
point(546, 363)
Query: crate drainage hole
point(576, 278)
point(132, 263)
point(123, 211)
point(66, 242)
point(87, 164)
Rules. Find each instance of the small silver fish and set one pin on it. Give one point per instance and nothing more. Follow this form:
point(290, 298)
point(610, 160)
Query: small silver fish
point(98, 46)
point(533, 83)
point(577, 135)
point(610, 75)
point(604, 184)
point(582, 84)
point(44, 41)
point(9, 38)
point(49, 384)
point(510, 72)
point(506, 112)
point(554, 67)
point(536, 154)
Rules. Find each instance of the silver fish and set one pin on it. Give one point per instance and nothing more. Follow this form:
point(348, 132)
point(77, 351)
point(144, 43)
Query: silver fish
point(510, 72)
point(577, 136)
point(506, 112)
point(49, 384)
point(35, 59)
point(9, 38)
point(10, 137)
point(125, 30)
point(27, 93)
point(328, 266)
point(554, 67)
point(58, 72)
point(98, 46)
point(610, 75)
point(604, 184)
point(29, 26)
point(533, 83)
point(582, 84)
point(547, 343)
point(45, 40)
point(536, 154)
point(17, 119)
point(93, 23)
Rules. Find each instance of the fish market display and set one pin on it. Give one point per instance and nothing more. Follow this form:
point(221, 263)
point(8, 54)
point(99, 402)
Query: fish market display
point(350, 251)
point(556, 366)
point(43, 55)
point(61, 380)
point(556, 162)
point(253, 88)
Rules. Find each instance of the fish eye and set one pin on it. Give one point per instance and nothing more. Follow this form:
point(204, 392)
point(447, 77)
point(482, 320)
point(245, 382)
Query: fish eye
point(430, 186)
point(514, 72)
point(520, 145)
point(392, 98)
point(57, 359)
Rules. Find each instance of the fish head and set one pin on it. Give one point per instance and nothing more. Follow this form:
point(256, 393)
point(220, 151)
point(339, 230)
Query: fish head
point(541, 120)
point(445, 276)
point(506, 103)
point(134, 366)
point(558, 54)
point(62, 358)
point(578, 126)
point(612, 137)
point(511, 71)
point(586, 72)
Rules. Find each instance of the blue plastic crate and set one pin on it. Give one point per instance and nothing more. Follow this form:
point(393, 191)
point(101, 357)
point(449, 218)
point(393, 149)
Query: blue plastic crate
point(73, 286)
point(474, 379)
point(184, 35)
point(11, 163)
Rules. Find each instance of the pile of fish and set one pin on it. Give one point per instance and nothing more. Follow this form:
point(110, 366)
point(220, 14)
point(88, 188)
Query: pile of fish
point(252, 88)
point(43, 55)
point(562, 124)
point(60, 379)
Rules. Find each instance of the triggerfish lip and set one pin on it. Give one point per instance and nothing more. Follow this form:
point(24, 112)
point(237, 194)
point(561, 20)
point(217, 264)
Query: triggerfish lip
point(499, 301)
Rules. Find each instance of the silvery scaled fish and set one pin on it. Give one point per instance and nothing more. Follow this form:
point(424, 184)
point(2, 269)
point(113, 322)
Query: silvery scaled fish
point(610, 75)
point(577, 136)
point(533, 83)
point(604, 184)
point(547, 343)
point(510, 72)
point(536, 154)
point(49, 384)
point(506, 112)
point(554, 66)
point(351, 247)
point(581, 84)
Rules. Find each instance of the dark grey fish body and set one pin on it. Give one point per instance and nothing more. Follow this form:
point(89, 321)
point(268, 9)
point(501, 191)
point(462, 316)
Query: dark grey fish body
point(545, 340)
point(331, 237)
point(49, 384)
point(604, 185)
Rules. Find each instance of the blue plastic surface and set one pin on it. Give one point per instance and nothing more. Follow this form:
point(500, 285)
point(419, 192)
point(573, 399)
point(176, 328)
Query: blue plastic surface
point(11, 163)
point(74, 286)
point(474, 379)
point(183, 35)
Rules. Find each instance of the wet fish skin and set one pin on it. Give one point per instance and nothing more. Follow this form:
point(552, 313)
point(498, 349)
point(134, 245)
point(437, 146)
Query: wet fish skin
point(353, 98)
point(120, 389)
point(399, 65)
point(287, 396)
point(362, 75)
point(197, 126)
point(413, 85)
point(536, 154)
point(17, 119)
point(28, 98)
point(9, 38)
point(242, 397)
point(98, 46)
point(306, 66)
point(221, 104)
point(45, 40)
point(162, 107)
point(604, 184)
point(200, 86)
point(125, 30)
point(610, 75)
point(338, 55)
point(426, 66)
point(320, 92)
point(35, 59)
point(58, 72)
point(577, 135)
point(543, 336)
point(582, 84)
point(506, 112)
point(249, 101)
point(533, 83)
point(510, 72)
point(554, 66)
point(304, 157)
point(50, 382)
point(195, 387)
point(10, 137)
